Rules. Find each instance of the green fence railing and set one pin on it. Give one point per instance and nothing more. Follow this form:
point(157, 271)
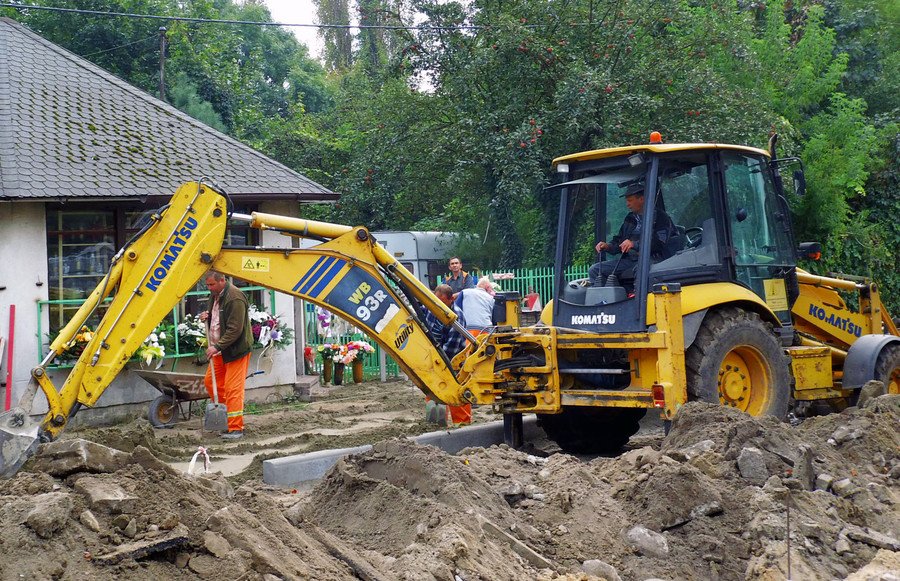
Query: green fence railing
point(541, 280)
point(173, 318)
point(522, 280)
point(371, 363)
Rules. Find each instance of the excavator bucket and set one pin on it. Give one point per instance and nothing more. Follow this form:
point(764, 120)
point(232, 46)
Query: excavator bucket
point(18, 441)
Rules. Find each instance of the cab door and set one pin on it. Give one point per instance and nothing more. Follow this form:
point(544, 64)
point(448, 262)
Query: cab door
point(758, 228)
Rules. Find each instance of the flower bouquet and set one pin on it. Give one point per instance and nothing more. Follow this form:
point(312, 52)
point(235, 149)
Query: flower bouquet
point(331, 353)
point(353, 353)
point(191, 335)
point(74, 348)
point(309, 359)
point(269, 329)
point(355, 350)
point(153, 347)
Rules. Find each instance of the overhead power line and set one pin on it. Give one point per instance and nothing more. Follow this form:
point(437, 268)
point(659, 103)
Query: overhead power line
point(261, 23)
point(154, 37)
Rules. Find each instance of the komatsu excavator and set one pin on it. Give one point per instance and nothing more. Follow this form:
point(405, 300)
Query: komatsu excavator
point(718, 312)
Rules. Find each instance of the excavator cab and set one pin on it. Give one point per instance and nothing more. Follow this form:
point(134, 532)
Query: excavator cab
point(715, 214)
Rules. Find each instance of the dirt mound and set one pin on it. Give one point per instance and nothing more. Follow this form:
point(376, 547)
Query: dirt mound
point(710, 501)
point(147, 520)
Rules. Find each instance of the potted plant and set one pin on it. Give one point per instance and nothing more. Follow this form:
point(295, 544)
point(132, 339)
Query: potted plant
point(328, 351)
point(354, 353)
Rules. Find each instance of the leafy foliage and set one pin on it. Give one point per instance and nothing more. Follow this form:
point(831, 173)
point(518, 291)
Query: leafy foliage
point(455, 129)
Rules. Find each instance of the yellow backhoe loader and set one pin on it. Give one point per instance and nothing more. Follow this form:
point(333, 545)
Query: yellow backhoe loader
point(718, 311)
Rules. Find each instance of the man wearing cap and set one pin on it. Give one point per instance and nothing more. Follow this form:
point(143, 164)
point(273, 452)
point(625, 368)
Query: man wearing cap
point(628, 240)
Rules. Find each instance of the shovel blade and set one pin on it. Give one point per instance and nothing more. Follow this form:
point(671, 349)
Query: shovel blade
point(18, 441)
point(216, 418)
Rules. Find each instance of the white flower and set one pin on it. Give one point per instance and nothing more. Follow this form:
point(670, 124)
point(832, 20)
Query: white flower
point(153, 338)
point(162, 336)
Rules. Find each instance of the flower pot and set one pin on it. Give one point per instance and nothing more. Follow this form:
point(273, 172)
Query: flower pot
point(327, 371)
point(338, 373)
point(357, 371)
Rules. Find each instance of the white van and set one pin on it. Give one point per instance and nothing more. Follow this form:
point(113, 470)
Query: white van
point(425, 254)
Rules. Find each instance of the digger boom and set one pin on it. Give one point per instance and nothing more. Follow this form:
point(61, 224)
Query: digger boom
point(349, 274)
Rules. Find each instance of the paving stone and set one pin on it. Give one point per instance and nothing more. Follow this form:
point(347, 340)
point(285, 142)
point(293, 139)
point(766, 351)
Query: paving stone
point(872, 538)
point(65, 457)
point(824, 482)
point(869, 392)
point(88, 519)
point(843, 487)
point(105, 496)
point(842, 546)
point(216, 544)
point(803, 467)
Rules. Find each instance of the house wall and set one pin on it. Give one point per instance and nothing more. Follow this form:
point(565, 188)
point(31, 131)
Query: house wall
point(23, 271)
point(284, 369)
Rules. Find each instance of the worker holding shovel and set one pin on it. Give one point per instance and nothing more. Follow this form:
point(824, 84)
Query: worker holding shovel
point(230, 342)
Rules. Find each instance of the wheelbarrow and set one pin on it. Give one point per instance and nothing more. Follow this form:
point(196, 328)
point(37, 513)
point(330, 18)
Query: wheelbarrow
point(176, 389)
point(179, 388)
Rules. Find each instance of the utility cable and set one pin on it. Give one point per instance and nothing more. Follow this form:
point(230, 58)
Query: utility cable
point(154, 37)
point(262, 23)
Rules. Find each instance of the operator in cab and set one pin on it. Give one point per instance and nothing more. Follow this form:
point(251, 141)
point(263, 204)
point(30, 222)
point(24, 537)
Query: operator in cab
point(627, 242)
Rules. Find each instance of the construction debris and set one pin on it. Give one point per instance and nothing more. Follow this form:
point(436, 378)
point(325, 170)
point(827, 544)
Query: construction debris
point(709, 501)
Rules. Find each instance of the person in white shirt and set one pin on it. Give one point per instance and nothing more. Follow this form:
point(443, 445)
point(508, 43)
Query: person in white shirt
point(477, 305)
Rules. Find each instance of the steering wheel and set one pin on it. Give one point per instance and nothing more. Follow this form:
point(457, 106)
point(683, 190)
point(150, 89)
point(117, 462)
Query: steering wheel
point(579, 283)
point(693, 236)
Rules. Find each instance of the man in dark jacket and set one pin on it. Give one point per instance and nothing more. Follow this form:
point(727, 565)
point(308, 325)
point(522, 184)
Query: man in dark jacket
point(628, 240)
point(230, 342)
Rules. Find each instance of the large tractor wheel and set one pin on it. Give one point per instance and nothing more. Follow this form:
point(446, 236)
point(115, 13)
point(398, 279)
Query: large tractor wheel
point(589, 430)
point(737, 361)
point(887, 368)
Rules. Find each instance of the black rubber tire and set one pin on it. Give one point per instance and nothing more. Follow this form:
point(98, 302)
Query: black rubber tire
point(162, 412)
point(887, 368)
point(590, 430)
point(737, 360)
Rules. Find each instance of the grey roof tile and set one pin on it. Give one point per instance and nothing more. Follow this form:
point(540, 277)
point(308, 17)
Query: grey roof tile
point(66, 124)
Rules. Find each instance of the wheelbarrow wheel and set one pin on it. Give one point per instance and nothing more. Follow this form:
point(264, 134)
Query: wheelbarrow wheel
point(162, 412)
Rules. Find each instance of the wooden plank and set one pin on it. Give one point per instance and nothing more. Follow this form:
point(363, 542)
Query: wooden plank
point(140, 549)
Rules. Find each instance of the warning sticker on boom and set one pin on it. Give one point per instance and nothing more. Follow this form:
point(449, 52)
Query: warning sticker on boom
point(255, 263)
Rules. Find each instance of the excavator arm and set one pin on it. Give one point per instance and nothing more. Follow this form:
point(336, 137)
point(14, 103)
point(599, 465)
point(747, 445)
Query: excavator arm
point(348, 273)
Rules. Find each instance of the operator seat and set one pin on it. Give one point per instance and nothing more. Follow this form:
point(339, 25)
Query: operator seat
point(676, 243)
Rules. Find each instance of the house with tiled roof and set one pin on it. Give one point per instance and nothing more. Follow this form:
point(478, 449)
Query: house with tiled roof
point(83, 157)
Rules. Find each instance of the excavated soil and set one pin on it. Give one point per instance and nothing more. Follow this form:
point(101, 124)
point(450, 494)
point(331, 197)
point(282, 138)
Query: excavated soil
point(718, 498)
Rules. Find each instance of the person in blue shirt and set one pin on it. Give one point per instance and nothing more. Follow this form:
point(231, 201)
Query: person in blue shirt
point(446, 336)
